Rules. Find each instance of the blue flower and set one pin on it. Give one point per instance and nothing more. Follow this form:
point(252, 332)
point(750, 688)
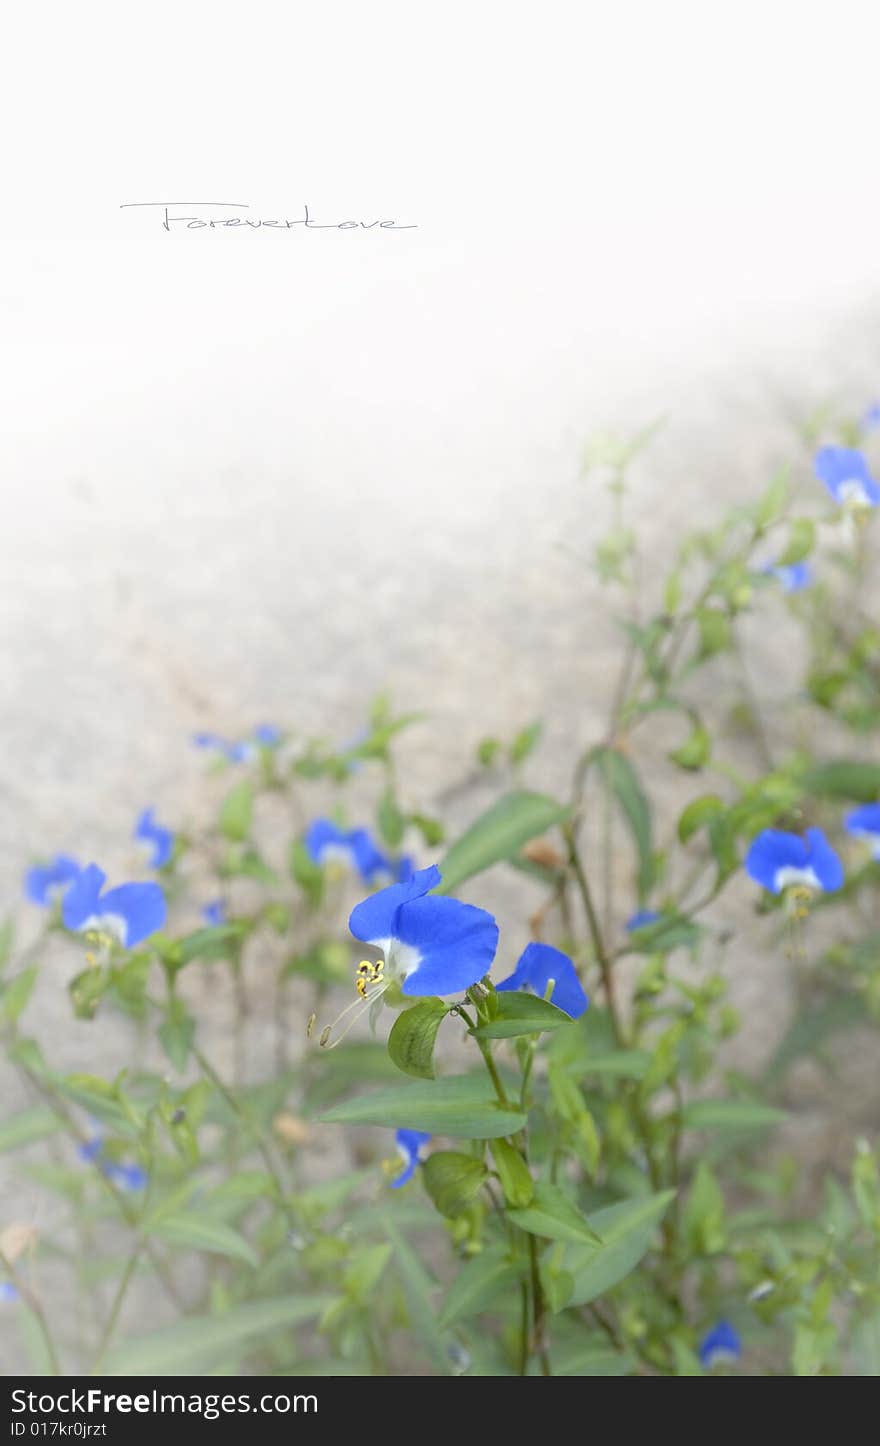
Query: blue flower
point(46, 882)
point(130, 912)
point(411, 1149)
point(794, 577)
point(127, 1177)
point(214, 914)
point(8, 1292)
point(328, 844)
point(242, 750)
point(538, 965)
point(846, 474)
point(871, 417)
point(431, 944)
point(777, 860)
point(720, 1346)
point(864, 822)
point(642, 919)
point(160, 840)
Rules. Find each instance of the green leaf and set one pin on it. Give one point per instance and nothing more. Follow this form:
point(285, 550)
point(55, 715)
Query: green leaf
point(489, 1276)
point(772, 504)
point(197, 1232)
point(525, 741)
point(453, 1180)
point(730, 1115)
point(801, 540)
point(176, 1033)
point(392, 822)
point(17, 992)
point(553, 1216)
point(212, 943)
point(7, 935)
point(514, 1174)
point(698, 814)
point(622, 781)
point(365, 1271)
point(413, 1036)
point(25, 1127)
point(714, 629)
point(460, 1106)
point(521, 1013)
point(618, 1063)
point(695, 752)
point(305, 872)
point(192, 1345)
point(420, 1288)
point(859, 782)
point(627, 1231)
point(703, 1221)
point(498, 835)
point(236, 812)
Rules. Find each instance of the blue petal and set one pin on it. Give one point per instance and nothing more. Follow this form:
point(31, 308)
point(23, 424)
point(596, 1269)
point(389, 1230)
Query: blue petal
point(456, 943)
point(127, 1177)
point(409, 1142)
point(794, 577)
point(147, 830)
point(267, 735)
point(141, 906)
point(864, 820)
point(8, 1291)
point(209, 740)
point(368, 858)
point(81, 899)
point(321, 835)
point(771, 851)
point(214, 913)
point(837, 466)
point(404, 868)
point(642, 919)
point(376, 918)
point(41, 882)
point(824, 861)
point(90, 1150)
point(538, 964)
point(722, 1342)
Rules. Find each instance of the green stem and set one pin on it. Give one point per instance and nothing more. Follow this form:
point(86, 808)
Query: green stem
point(602, 955)
point(36, 1309)
point(119, 1297)
point(539, 1309)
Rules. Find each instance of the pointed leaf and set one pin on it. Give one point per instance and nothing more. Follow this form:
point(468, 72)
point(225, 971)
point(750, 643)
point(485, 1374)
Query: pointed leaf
point(499, 834)
point(413, 1036)
point(461, 1106)
point(553, 1216)
point(627, 1231)
point(521, 1013)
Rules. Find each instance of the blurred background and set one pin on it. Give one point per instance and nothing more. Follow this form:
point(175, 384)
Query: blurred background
point(260, 475)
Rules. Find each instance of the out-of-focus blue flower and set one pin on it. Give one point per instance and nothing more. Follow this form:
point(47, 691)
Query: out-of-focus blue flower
point(159, 839)
point(720, 1346)
point(538, 965)
point(411, 1149)
point(864, 822)
point(214, 914)
point(8, 1292)
point(127, 1177)
point(46, 882)
point(846, 474)
point(642, 919)
point(777, 860)
point(327, 843)
point(130, 912)
point(241, 750)
point(794, 576)
point(871, 417)
point(431, 944)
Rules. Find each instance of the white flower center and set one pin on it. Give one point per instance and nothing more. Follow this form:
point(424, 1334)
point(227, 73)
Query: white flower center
point(853, 490)
point(401, 959)
point(784, 878)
